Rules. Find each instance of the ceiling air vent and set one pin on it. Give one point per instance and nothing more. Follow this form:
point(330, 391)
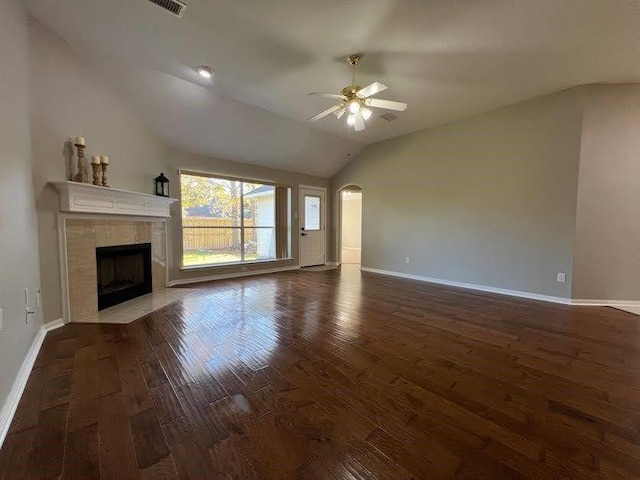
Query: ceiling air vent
point(173, 6)
point(389, 117)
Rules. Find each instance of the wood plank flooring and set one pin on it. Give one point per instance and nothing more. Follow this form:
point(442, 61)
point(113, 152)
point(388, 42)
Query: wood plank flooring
point(335, 375)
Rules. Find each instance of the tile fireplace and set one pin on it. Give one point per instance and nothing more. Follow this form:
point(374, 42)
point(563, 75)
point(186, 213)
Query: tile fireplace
point(113, 248)
point(124, 272)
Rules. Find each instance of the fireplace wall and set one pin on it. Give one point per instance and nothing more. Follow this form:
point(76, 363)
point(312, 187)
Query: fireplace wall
point(84, 235)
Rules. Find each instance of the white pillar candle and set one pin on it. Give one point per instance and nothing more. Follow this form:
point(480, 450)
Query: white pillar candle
point(104, 159)
point(95, 160)
point(79, 141)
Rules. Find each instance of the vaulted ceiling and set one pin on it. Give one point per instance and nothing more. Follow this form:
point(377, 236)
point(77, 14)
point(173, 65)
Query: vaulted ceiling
point(447, 58)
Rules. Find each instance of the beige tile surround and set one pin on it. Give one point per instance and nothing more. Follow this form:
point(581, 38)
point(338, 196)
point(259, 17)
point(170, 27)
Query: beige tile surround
point(84, 235)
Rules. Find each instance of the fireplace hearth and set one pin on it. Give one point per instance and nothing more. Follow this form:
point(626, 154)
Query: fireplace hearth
point(124, 273)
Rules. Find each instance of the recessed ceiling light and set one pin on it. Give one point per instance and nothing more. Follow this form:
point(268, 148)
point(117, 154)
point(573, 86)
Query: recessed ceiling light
point(205, 72)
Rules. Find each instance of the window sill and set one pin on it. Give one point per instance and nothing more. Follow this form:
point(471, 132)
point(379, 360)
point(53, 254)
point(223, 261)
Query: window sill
point(234, 264)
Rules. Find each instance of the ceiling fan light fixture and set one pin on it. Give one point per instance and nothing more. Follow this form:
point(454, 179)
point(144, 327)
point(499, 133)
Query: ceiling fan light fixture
point(356, 102)
point(205, 72)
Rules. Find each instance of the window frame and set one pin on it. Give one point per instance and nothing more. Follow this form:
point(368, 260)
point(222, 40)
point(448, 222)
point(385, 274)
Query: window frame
point(241, 227)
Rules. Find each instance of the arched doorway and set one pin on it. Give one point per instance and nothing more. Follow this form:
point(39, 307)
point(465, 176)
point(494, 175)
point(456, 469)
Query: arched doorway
point(350, 231)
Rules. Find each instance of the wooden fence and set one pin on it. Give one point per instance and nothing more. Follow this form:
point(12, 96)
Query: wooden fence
point(213, 239)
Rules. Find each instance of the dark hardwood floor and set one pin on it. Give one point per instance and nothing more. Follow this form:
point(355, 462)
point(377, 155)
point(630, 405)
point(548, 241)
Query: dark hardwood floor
point(335, 375)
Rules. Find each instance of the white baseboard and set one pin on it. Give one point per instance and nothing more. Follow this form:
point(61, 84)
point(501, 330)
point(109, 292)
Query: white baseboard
point(332, 264)
point(632, 306)
point(53, 324)
point(20, 382)
point(605, 303)
point(209, 278)
point(471, 286)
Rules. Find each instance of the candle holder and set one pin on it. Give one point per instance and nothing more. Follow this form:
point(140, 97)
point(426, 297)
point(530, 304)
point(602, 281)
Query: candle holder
point(81, 176)
point(104, 166)
point(96, 173)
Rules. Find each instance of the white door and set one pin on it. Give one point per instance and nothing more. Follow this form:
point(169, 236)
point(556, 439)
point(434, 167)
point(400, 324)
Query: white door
point(312, 226)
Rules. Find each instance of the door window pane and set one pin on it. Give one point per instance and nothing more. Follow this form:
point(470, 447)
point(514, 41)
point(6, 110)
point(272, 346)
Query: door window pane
point(311, 212)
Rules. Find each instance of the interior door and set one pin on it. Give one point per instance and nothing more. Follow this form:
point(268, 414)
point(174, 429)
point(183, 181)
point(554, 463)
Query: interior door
point(312, 226)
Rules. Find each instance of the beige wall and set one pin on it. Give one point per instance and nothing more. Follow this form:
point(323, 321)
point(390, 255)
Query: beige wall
point(351, 219)
point(607, 251)
point(489, 200)
point(180, 160)
point(67, 99)
point(18, 226)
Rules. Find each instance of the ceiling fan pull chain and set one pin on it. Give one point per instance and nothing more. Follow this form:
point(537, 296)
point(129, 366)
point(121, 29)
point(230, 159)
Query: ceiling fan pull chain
point(353, 60)
point(353, 75)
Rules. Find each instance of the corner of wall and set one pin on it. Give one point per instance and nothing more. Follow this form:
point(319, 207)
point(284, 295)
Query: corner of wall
point(18, 223)
point(605, 264)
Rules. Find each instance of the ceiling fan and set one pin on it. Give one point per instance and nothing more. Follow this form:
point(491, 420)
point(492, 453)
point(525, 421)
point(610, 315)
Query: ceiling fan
point(356, 100)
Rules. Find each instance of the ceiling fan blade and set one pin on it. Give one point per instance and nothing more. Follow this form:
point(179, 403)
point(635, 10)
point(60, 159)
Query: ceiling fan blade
point(359, 125)
point(325, 113)
point(340, 113)
point(388, 104)
point(326, 95)
point(372, 89)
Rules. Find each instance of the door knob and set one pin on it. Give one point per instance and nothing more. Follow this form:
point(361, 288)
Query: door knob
point(303, 234)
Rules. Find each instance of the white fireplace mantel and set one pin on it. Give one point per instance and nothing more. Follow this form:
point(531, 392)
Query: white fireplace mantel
point(87, 198)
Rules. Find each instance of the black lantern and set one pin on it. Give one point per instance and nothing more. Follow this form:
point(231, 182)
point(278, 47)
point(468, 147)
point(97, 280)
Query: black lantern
point(162, 185)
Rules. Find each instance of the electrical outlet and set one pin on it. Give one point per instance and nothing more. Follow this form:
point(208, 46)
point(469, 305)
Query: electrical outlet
point(407, 260)
point(562, 277)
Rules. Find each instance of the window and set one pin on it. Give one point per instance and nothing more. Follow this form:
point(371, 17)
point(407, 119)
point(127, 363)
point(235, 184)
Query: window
point(311, 213)
point(232, 220)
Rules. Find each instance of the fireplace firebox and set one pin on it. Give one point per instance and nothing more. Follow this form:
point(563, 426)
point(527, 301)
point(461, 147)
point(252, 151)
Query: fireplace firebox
point(124, 272)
